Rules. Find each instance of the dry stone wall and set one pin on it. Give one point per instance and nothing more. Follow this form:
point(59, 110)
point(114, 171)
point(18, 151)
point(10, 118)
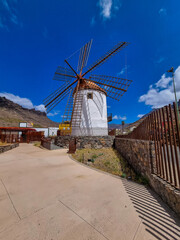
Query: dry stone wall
point(138, 153)
point(141, 156)
point(8, 147)
point(85, 141)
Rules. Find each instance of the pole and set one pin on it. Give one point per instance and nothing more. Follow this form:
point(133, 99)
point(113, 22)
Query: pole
point(172, 70)
point(174, 88)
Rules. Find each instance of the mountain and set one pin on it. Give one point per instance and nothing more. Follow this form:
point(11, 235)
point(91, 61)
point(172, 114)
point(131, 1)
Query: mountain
point(117, 126)
point(11, 114)
point(128, 127)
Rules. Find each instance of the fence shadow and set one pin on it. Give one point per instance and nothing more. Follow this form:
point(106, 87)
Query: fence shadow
point(159, 220)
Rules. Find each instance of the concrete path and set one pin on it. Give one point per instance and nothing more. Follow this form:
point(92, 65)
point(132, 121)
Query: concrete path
point(45, 195)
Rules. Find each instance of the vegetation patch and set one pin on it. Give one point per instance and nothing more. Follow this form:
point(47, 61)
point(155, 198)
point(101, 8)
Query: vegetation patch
point(37, 125)
point(108, 160)
point(4, 144)
point(37, 144)
point(10, 120)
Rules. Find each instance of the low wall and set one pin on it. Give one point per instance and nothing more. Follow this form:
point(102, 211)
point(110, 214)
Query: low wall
point(8, 147)
point(85, 141)
point(140, 155)
point(48, 143)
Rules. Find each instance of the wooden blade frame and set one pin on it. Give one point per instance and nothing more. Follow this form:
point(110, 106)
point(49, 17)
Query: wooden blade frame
point(64, 91)
point(63, 74)
point(74, 102)
point(105, 57)
point(55, 93)
point(69, 107)
point(83, 56)
point(56, 102)
point(114, 87)
point(114, 81)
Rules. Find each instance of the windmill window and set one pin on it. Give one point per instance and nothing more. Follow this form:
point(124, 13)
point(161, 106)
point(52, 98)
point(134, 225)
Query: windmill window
point(89, 96)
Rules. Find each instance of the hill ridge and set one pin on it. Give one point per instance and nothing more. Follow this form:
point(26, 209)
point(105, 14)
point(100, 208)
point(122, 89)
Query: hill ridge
point(12, 113)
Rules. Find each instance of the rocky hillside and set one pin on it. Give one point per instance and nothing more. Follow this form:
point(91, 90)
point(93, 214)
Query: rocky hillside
point(11, 114)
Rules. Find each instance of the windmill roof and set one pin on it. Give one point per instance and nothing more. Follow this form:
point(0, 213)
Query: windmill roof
point(90, 85)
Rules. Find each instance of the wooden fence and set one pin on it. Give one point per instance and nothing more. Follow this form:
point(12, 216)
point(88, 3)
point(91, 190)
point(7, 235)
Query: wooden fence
point(162, 127)
point(26, 138)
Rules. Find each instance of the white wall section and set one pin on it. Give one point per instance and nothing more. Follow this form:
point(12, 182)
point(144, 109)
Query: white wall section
point(93, 115)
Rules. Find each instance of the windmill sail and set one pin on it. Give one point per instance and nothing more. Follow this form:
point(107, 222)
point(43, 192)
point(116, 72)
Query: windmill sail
point(86, 106)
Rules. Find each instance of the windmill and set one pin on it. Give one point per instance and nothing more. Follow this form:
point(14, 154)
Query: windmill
point(86, 107)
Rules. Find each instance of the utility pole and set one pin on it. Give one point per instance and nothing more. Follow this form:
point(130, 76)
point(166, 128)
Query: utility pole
point(172, 71)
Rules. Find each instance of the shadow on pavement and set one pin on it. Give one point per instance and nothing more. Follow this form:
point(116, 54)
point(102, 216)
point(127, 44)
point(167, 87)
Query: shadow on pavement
point(158, 218)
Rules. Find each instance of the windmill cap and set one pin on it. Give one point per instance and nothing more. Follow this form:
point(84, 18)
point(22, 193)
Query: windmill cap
point(85, 84)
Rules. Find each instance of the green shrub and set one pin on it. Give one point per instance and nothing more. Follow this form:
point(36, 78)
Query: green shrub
point(94, 156)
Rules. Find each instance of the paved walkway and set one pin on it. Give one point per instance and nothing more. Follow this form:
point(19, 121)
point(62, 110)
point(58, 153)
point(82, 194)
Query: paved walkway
point(44, 195)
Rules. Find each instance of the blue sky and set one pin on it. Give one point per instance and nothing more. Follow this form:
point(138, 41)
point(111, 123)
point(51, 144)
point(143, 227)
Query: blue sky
point(36, 36)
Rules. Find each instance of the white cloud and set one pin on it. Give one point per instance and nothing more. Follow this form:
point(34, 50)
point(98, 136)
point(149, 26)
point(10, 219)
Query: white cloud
point(108, 106)
point(9, 14)
point(122, 118)
point(164, 81)
point(140, 115)
point(6, 5)
point(162, 93)
point(160, 60)
point(53, 113)
point(123, 70)
point(163, 11)
point(14, 18)
point(93, 21)
point(105, 6)
point(116, 117)
point(117, 4)
point(24, 102)
point(40, 108)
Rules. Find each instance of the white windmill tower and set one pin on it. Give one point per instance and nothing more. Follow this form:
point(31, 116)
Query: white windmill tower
point(90, 113)
point(86, 108)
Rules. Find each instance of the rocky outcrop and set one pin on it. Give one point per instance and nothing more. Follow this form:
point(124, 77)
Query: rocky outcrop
point(11, 114)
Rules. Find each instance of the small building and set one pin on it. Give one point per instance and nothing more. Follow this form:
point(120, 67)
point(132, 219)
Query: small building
point(48, 132)
point(64, 129)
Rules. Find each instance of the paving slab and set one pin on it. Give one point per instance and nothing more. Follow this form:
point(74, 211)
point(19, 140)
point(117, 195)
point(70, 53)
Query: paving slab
point(46, 195)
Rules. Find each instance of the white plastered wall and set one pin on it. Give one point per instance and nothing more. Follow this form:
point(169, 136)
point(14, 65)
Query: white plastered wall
point(93, 115)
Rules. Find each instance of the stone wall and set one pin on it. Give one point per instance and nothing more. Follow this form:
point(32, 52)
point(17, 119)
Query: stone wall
point(85, 141)
point(169, 194)
point(141, 156)
point(48, 143)
point(8, 147)
point(138, 153)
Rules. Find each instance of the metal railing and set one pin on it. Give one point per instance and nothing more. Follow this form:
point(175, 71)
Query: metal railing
point(26, 138)
point(162, 127)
